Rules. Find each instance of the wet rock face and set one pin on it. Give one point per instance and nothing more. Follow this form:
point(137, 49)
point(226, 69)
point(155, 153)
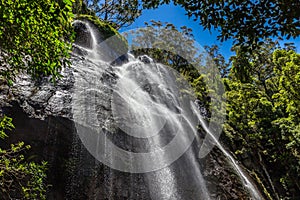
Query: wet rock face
point(42, 114)
point(145, 59)
point(83, 35)
point(42, 99)
point(90, 43)
point(222, 178)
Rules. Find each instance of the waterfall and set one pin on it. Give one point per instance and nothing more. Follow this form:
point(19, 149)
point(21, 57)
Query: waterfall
point(89, 46)
point(140, 119)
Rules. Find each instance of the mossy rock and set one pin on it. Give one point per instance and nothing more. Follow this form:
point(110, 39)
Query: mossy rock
point(117, 42)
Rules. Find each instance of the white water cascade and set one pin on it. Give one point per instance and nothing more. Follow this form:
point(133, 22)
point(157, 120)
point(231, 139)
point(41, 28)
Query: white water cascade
point(139, 118)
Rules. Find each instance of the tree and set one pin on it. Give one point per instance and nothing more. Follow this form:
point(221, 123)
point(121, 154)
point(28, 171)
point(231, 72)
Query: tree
point(219, 60)
point(35, 37)
point(247, 22)
point(19, 179)
point(263, 114)
point(164, 43)
point(167, 45)
point(287, 100)
point(121, 13)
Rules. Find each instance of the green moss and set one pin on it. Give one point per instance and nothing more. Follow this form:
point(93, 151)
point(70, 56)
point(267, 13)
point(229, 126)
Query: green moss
point(118, 43)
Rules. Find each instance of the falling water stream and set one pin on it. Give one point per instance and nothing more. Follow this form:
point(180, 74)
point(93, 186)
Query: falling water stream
point(153, 111)
point(246, 182)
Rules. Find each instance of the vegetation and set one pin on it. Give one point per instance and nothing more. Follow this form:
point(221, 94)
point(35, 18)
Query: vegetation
point(35, 37)
point(247, 22)
point(19, 178)
point(157, 41)
point(263, 114)
point(218, 59)
point(121, 13)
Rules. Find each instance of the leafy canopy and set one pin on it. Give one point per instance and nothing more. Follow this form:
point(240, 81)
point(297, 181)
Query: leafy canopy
point(167, 45)
point(263, 112)
point(121, 13)
point(244, 21)
point(34, 37)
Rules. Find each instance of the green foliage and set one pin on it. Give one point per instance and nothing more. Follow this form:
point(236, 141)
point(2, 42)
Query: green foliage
point(287, 66)
point(121, 13)
point(264, 110)
point(219, 60)
point(34, 37)
point(5, 124)
point(19, 178)
point(169, 46)
point(165, 44)
point(244, 21)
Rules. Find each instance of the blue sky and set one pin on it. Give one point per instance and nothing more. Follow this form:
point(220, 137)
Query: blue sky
point(176, 15)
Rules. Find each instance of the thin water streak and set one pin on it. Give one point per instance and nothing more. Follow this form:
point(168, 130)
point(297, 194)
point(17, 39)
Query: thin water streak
point(246, 182)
